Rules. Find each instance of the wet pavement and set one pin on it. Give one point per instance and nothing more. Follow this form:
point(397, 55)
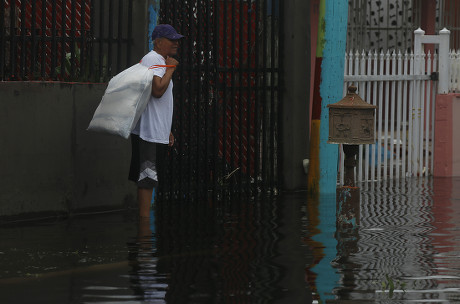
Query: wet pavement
point(405, 248)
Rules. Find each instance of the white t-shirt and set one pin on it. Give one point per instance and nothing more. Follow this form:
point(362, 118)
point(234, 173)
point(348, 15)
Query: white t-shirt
point(156, 120)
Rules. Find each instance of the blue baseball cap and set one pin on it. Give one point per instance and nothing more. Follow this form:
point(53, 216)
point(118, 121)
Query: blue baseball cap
point(165, 31)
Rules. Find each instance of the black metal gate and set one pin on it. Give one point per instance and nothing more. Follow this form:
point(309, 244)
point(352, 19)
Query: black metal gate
point(65, 40)
point(226, 98)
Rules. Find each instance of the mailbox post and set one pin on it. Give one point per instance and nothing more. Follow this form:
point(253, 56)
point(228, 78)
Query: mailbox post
point(351, 123)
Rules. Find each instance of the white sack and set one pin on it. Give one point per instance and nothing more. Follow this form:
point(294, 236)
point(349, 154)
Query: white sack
point(124, 100)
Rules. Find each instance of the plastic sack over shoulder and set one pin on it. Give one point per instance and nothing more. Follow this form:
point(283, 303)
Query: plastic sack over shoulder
point(124, 100)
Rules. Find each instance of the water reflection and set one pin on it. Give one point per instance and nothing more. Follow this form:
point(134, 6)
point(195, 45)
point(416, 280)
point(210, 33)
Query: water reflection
point(207, 252)
point(290, 250)
point(147, 284)
point(321, 227)
point(284, 250)
point(408, 235)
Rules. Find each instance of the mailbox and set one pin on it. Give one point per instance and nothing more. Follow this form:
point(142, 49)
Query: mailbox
point(351, 120)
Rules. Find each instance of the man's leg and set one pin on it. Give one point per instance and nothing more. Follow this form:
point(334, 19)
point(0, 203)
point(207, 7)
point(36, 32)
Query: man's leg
point(144, 197)
point(143, 172)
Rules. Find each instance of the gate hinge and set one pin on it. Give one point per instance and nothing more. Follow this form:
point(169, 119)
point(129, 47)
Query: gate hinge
point(434, 76)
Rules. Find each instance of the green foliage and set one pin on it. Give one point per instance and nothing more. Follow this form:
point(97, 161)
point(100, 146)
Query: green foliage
point(81, 72)
point(388, 284)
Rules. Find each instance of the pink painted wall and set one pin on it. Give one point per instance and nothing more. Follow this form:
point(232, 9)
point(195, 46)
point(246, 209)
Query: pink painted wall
point(447, 135)
point(456, 136)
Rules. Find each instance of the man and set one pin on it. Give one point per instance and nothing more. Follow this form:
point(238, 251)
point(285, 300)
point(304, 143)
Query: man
point(153, 130)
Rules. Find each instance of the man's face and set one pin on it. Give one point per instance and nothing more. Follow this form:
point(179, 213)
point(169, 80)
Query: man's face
point(168, 47)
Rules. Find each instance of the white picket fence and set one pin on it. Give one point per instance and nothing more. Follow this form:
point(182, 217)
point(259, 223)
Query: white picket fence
point(404, 117)
point(403, 89)
point(454, 83)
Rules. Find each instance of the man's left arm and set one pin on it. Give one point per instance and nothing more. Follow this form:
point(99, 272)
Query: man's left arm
point(160, 84)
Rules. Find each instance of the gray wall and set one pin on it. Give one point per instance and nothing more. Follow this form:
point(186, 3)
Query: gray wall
point(296, 75)
point(48, 161)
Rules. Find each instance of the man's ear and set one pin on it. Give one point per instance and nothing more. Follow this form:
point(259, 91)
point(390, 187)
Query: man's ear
point(159, 40)
point(156, 43)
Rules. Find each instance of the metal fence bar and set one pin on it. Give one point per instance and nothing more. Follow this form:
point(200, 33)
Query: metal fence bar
point(258, 63)
point(2, 40)
point(110, 39)
point(186, 111)
point(92, 35)
point(73, 44)
point(101, 38)
point(273, 79)
point(54, 40)
point(13, 41)
point(249, 99)
point(265, 125)
point(277, 106)
point(63, 36)
point(189, 96)
point(33, 33)
point(224, 111)
point(119, 38)
point(207, 91)
point(232, 91)
point(83, 45)
point(242, 101)
point(22, 66)
point(199, 136)
point(181, 120)
point(130, 30)
point(215, 125)
point(44, 36)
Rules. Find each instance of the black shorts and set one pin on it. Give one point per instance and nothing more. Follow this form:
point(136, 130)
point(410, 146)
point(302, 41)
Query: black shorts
point(146, 158)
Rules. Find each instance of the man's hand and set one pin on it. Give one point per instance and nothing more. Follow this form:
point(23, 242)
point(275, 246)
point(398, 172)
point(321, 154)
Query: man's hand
point(172, 61)
point(171, 139)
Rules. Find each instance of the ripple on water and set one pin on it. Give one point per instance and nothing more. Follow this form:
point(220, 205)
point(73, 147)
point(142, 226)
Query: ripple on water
point(408, 235)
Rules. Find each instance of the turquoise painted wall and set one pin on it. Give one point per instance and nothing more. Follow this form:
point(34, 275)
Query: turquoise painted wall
point(154, 10)
point(331, 87)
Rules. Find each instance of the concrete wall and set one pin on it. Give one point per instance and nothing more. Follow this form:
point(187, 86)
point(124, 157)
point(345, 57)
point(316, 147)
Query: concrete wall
point(48, 161)
point(295, 113)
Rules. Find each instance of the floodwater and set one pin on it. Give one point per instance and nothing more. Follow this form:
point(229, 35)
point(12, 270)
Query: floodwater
point(403, 248)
